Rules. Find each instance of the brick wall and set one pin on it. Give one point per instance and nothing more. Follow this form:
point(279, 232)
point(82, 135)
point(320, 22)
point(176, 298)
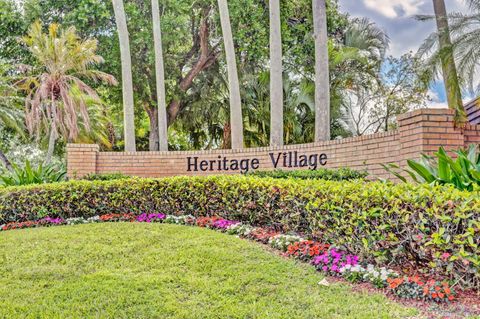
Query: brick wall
point(421, 131)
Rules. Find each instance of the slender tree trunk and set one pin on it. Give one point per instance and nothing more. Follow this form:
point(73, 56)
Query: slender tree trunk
point(4, 160)
point(153, 136)
point(276, 76)
point(53, 136)
point(127, 82)
point(236, 119)
point(322, 76)
point(160, 75)
point(227, 137)
point(450, 76)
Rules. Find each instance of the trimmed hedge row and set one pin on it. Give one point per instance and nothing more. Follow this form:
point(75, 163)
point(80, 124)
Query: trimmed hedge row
point(433, 229)
point(341, 174)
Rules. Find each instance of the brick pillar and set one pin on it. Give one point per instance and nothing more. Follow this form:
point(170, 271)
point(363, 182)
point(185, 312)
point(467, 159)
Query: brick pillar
point(81, 159)
point(425, 130)
point(472, 135)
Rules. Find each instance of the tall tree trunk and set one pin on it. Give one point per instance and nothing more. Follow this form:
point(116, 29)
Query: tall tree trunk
point(160, 75)
point(127, 82)
point(153, 136)
point(5, 161)
point(276, 76)
point(53, 136)
point(450, 77)
point(322, 76)
point(227, 136)
point(236, 119)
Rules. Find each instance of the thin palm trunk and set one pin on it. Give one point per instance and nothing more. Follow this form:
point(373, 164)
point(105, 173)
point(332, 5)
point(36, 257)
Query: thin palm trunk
point(53, 136)
point(127, 82)
point(276, 76)
point(236, 119)
point(160, 75)
point(450, 76)
point(322, 77)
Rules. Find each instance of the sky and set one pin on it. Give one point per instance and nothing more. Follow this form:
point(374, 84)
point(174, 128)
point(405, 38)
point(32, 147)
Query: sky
point(397, 18)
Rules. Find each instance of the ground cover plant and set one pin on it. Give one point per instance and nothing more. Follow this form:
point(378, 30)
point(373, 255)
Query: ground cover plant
point(432, 230)
point(151, 270)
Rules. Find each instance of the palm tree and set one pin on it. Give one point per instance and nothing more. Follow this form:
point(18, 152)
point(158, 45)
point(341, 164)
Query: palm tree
point(322, 78)
point(465, 35)
point(127, 82)
point(276, 76)
point(236, 119)
point(160, 75)
point(368, 38)
point(56, 96)
point(444, 57)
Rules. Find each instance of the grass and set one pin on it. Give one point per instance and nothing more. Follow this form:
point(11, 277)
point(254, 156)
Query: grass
point(126, 270)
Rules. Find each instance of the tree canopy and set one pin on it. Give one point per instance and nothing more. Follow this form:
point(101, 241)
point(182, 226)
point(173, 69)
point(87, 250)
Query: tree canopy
point(195, 65)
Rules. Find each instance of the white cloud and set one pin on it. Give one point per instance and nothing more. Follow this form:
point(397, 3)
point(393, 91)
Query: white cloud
point(395, 8)
point(435, 102)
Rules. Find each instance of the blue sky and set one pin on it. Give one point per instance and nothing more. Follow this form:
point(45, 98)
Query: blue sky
point(396, 17)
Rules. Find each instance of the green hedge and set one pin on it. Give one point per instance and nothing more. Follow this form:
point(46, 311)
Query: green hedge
point(436, 229)
point(105, 177)
point(342, 174)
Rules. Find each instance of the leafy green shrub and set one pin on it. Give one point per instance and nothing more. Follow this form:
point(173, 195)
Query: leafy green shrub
point(105, 177)
point(432, 228)
point(341, 174)
point(29, 175)
point(463, 172)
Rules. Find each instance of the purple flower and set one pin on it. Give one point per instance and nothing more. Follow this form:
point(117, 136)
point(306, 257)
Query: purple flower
point(332, 261)
point(148, 218)
point(224, 223)
point(352, 260)
point(53, 221)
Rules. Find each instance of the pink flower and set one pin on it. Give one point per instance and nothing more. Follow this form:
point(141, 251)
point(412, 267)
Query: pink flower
point(445, 256)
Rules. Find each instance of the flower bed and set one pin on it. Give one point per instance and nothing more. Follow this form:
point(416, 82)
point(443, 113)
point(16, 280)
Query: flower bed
point(325, 258)
point(430, 229)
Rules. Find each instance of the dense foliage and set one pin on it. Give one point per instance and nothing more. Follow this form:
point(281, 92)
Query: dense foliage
point(196, 79)
point(105, 177)
point(341, 174)
point(435, 229)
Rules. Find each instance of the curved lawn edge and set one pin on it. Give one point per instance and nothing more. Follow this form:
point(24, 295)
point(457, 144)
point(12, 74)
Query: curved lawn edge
point(326, 258)
point(126, 270)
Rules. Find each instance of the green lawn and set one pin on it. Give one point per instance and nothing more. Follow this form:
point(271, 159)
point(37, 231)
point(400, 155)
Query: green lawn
point(127, 270)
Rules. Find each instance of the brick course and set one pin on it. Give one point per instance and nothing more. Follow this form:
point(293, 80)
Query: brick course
point(420, 131)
